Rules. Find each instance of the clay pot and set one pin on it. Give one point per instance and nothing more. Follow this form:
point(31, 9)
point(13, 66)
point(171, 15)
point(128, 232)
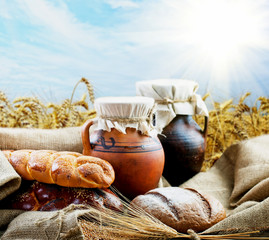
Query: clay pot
point(137, 159)
point(184, 146)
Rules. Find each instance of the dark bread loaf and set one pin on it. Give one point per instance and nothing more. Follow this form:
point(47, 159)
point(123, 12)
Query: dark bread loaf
point(182, 209)
point(50, 197)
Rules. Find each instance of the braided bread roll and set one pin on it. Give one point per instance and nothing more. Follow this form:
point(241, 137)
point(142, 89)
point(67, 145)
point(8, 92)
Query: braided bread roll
point(68, 169)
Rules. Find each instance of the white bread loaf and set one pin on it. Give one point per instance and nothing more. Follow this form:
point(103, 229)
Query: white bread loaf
point(69, 169)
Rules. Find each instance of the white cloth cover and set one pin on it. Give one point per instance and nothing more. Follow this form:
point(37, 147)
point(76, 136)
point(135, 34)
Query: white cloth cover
point(122, 112)
point(173, 96)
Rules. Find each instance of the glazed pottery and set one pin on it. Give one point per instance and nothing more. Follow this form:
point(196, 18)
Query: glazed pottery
point(137, 159)
point(184, 145)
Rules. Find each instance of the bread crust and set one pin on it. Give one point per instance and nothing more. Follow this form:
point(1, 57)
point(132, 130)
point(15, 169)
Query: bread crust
point(68, 169)
point(182, 209)
point(37, 196)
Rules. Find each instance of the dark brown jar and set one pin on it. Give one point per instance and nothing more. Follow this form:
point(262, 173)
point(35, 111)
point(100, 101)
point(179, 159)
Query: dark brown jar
point(183, 140)
point(184, 144)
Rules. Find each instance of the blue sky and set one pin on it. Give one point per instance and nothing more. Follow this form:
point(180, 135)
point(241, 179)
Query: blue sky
point(46, 46)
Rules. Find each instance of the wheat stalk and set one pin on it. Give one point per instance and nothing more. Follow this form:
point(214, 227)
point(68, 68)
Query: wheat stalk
point(229, 122)
point(135, 223)
point(89, 88)
point(30, 112)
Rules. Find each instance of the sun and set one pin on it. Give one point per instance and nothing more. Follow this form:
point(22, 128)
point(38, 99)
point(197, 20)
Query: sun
point(221, 31)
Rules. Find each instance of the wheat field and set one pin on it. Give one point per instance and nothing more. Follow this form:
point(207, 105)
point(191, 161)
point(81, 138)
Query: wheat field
point(229, 122)
point(30, 112)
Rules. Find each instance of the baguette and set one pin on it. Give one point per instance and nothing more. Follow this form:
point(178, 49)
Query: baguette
point(68, 169)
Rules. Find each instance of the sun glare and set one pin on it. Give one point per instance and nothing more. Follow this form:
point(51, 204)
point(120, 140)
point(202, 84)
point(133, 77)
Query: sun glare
point(221, 30)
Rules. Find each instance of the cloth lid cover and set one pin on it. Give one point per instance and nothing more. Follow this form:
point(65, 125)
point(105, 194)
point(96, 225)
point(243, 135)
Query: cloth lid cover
point(173, 96)
point(123, 112)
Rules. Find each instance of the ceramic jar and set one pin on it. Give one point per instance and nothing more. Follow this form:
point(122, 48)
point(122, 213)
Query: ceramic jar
point(122, 135)
point(184, 142)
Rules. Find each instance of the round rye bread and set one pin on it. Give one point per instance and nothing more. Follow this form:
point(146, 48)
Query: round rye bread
point(182, 208)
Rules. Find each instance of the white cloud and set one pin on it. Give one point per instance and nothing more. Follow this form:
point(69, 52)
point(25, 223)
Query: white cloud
point(159, 37)
point(4, 13)
point(57, 25)
point(122, 3)
point(151, 43)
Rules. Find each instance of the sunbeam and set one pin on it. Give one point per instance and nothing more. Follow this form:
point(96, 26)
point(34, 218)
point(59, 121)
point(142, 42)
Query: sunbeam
point(221, 44)
point(225, 40)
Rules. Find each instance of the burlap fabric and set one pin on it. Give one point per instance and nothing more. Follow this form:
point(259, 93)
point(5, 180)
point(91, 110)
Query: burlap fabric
point(36, 225)
point(9, 179)
point(44, 225)
point(63, 139)
point(239, 179)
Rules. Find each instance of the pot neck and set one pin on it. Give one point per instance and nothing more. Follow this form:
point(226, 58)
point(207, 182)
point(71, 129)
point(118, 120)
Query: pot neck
point(179, 116)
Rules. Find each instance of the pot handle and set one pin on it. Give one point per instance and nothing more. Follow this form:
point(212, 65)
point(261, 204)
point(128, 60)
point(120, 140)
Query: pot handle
point(205, 127)
point(85, 135)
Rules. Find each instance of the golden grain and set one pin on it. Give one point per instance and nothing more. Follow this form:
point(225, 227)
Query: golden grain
point(135, 223)
point(30, 112)
point(229, 122)
point(89, 88)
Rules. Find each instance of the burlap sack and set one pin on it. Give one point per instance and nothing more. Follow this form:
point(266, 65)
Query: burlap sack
point(9, 182)
point(61, 224)
point(240, 180)
point(63, 139)
point(9, 179)
point(36, 225)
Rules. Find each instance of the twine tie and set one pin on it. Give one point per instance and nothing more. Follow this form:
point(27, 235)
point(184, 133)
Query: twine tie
point(126, 119)
point(194, 235)
point(167, 100)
